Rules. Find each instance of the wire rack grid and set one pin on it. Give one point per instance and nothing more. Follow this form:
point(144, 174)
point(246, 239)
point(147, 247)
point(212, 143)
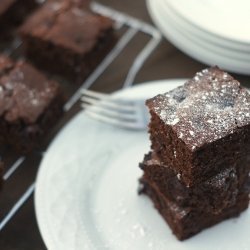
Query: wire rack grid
point(134, 26)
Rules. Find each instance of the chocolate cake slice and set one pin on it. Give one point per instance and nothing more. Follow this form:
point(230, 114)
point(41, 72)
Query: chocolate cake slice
point(30, 104)
point(198, 171)
point(65, 39)
point(213, 195)
point(202, 127)
point(184, 221)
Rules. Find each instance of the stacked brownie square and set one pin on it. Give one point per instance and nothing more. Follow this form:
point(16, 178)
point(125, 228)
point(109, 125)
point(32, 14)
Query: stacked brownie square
point(197, 173)
point(66, 38)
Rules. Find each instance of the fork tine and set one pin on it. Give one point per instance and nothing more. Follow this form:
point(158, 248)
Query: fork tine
point(123, 113)
point(116, 114)
point(101, 96)
point(109, 103)
point(112, 121)
point(95, 94)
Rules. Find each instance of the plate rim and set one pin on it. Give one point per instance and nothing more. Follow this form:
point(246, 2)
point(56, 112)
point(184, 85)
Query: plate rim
point(175, 37)
point(203, 35)
point(228, 37)
point(47, 237)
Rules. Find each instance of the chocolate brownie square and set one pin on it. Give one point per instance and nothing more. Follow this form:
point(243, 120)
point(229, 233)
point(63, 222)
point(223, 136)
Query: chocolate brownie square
point(202, 127)
point(184, 221)
point(29, 105)
point(67, 40)
point(213, 195)
point(13, 12)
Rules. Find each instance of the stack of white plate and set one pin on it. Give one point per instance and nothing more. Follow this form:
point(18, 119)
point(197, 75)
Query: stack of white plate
point(215, 32)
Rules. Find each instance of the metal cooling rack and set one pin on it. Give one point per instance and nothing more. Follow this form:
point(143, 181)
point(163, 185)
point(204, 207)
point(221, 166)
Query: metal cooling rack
point(133, 27)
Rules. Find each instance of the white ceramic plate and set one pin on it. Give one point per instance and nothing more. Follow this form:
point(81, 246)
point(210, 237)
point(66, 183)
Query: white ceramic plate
point(234, 48)
point(227, 19)
point(190, 45)
point(86, 192)
point(204, 34)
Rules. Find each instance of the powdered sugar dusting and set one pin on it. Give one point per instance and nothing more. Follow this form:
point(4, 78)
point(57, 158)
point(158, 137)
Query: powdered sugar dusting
point(204, 109)
point(174, 121)
point(25, 94)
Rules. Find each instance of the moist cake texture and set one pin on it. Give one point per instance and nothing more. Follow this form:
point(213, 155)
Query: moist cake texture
point(213, 195)
point(201, 126)
point(186, 222)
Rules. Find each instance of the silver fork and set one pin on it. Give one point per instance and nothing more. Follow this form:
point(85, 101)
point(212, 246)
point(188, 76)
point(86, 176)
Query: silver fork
point(130, 114)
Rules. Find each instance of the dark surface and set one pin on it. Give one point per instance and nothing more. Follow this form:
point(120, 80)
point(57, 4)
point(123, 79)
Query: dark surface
point(29, 104)
point(188, 222)
point(66, 40)
point(213, 195)
point(1, 174)
point(202, 127)
point(166, 62)
point(13, 12)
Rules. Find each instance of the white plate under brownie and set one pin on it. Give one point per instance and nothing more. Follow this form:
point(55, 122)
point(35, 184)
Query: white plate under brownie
point(86, 192)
